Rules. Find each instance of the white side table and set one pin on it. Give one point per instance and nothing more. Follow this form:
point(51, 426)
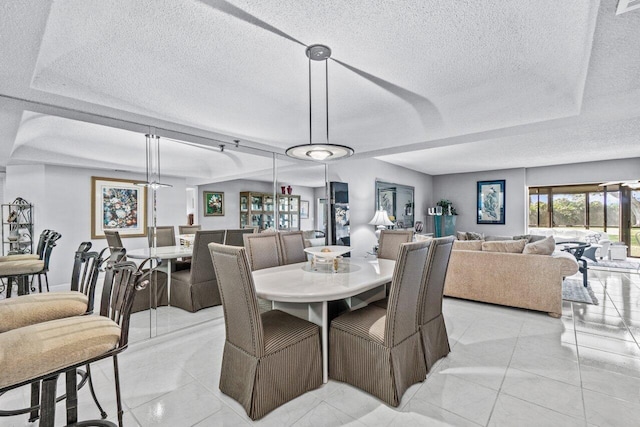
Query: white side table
point(618, 252)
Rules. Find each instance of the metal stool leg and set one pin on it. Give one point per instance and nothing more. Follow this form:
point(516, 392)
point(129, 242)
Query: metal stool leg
point(35, 401)
point(118, 398)
point(103, 414)
point(48, 403)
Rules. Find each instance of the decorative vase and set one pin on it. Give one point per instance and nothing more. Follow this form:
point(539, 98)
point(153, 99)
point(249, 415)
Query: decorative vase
point(284, 189)
point(289, 190)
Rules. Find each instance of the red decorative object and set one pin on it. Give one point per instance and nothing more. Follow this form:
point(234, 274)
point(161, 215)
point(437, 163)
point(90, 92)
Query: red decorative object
point(289, 190)
point(284, 189)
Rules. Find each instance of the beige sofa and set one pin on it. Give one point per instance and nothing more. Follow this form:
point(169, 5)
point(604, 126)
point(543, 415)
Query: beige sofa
point(513, 279)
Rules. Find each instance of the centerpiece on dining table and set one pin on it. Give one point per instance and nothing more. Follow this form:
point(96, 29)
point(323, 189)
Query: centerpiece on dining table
point(331, 255)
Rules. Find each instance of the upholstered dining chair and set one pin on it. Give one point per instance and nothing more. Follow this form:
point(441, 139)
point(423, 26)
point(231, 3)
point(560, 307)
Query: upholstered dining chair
point(197, 288)
point(435, 341)
point(71, 342)
point(292, 246)
point(113, 239)
point(164, 236)
point(189, 229)
point(263, 250)
point(269, 358)
point(379, 350)
point(235, 236)
point(390, 241)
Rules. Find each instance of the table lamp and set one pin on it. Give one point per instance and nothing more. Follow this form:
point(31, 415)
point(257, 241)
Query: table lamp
point(381, 220)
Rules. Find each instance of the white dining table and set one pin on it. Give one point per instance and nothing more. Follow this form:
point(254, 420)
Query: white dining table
point(305, 292)
point(163, 254)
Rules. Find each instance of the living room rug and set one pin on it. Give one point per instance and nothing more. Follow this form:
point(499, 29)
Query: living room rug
point(573, 290)
point(625, 265)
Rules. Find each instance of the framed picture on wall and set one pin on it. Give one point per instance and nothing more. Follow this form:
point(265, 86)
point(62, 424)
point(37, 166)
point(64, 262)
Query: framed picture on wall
point(491, 202)
point(120, 205)
point(213, 203)
point(304, 209)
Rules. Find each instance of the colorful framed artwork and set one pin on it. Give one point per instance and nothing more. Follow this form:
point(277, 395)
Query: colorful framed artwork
point(304, 209)
point(213, 203)
point(491, 197)
point(120, 205)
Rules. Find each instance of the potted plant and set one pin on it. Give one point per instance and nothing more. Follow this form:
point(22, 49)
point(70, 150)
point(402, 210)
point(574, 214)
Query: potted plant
point(447, 207)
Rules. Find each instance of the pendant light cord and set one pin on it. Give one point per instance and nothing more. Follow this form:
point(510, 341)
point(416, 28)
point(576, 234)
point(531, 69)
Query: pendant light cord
point(310, 136)
point(326, 85)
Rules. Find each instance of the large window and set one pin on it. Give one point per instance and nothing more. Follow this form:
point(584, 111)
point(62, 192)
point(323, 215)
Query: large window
point(577, 206)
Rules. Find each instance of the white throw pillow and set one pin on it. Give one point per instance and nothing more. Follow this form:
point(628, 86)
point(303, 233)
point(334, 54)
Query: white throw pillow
point(545, 246)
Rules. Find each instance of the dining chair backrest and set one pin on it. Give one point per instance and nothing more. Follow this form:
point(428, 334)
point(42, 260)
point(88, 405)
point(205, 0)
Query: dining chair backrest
point(189, 229)
point(431, 298)
point(51, 243)
point(390, 241)
point(242, 319)
point(113, 239)
point(201, 266)
point(409, 276)
point(235, 236)
point(84, 276)
point(263, 250)
point(292, 246)
point(165, 236)
point(116, 255)
point(42, 243)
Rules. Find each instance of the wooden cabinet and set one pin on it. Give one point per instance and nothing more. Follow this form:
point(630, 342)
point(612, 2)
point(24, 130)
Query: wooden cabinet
point(17, 227)
point(258, 210)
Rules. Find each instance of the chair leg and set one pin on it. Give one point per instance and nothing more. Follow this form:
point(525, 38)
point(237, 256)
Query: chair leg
point(48, 402)
point(39, 283)
point(46, 279)
point(35, 401)
point(72, 397)
point(118, 398)
point(103, 414)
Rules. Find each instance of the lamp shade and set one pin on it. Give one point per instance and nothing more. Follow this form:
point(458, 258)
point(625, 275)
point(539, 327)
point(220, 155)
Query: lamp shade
point(381, 219)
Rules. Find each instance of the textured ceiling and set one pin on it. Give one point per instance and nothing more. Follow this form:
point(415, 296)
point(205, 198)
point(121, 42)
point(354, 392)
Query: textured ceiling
point(421, 84)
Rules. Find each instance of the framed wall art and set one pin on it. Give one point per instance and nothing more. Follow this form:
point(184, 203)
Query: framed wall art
point(491, 202)
point(213, 203)
point(120, 205)
point(304, 209)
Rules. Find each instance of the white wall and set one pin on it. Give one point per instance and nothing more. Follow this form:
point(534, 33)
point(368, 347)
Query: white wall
point(232, 189)
point(62, 201)
point(461, 189)
point(361, 175)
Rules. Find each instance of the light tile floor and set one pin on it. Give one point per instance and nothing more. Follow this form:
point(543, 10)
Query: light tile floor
point(508, 367)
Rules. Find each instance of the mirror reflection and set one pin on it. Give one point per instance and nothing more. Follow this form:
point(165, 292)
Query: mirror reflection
point(398, 201)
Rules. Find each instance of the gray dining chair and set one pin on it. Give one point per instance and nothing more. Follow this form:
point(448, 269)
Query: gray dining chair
point(235, 236)
point(435, 341)
point(390, 241)
point(292, 246)
point(164, 236)
point(197, 288)
point(263, 251)
point(189, 229)
point(269, 358)
point(379, 350)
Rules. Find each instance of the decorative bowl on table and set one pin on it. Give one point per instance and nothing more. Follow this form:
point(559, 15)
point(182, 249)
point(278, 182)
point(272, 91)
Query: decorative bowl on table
point(327, 252)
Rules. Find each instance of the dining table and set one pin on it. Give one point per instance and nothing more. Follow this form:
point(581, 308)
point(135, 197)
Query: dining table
point(165, 256)
point(305, 289)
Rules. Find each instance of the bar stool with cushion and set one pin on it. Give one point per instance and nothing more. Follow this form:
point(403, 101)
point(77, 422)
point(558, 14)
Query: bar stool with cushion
point(378, 350)
point(269, 358)
point(292, 245)
point(197, 288)
point(70, 343)
point(435, 340)
point(235, 236)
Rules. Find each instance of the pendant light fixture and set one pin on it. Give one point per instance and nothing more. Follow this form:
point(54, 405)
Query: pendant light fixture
point(319, 152)
point(153, 163)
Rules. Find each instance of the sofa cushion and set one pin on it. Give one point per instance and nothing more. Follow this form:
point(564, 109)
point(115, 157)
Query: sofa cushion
point(467, 245)
point(510, 246)
point(526, 237)
point(545, 246)
point(461, 235)
point(536, 237)
point(474, 236)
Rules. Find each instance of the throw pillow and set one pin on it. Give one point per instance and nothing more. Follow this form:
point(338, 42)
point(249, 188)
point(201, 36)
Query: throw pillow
point(461, 235)
point(536, 238)
point(510, 246)
point(467, 245)
point(527, 237)
point(474, 236)
point(545, 246)
point(421, 237)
